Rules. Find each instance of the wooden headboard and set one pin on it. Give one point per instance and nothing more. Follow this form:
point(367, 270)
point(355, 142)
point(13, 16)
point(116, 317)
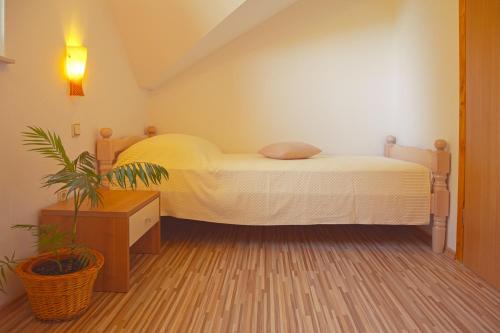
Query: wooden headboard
point(108, 149)
point(438, 161)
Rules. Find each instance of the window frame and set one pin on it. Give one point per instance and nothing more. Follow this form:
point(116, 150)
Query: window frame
point(2, 28)
point(3, 58)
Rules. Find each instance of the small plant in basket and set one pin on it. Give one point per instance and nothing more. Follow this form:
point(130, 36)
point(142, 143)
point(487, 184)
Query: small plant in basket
point(78, 180)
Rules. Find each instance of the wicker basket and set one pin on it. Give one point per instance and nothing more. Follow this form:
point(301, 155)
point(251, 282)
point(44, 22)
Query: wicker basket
point(59, 297)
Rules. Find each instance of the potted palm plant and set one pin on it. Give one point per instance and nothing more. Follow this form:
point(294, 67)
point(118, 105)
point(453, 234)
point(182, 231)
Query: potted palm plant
point(59, 281)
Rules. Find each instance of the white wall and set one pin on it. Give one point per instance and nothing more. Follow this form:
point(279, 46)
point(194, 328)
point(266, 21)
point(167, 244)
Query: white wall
point(427, 82)
point(320, 71)
point(339, 74)
point(34, 92)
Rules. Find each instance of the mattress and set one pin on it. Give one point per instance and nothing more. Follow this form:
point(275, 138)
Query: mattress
point(250, 189)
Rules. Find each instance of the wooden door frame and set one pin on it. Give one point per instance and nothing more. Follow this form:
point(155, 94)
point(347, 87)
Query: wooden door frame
point(462, 131)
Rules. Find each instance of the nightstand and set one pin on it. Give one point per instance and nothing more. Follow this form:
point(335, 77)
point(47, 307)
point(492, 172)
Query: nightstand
point(127, 221)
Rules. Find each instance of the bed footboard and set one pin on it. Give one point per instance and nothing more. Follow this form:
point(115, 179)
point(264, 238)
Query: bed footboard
point(438, 161)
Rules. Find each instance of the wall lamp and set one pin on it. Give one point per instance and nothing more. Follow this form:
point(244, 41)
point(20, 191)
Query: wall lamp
point(76, 61)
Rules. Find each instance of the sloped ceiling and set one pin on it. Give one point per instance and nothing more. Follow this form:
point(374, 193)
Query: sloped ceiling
point(164, 37)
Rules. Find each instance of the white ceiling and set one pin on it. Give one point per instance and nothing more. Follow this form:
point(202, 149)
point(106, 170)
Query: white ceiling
point(164, 37)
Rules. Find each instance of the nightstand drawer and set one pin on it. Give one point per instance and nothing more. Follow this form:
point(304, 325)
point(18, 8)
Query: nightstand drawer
point(143, 220)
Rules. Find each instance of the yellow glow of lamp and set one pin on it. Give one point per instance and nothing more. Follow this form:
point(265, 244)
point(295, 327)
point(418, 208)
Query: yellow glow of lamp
point(76, 61)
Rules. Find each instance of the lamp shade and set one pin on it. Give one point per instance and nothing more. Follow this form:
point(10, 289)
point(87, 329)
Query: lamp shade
point(76, 61)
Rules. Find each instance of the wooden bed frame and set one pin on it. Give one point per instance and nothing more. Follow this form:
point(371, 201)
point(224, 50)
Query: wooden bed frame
point(438, 161)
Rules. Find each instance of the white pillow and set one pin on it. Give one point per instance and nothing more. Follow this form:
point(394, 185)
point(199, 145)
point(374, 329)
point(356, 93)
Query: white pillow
point(289, 150)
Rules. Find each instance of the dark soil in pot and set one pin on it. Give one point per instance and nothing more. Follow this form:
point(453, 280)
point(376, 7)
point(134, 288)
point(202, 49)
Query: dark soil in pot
point(52, 267)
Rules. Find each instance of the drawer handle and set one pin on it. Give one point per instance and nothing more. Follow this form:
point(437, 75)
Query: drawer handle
point(148, 220)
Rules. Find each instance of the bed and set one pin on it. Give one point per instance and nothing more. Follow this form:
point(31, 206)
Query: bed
point(407, 186)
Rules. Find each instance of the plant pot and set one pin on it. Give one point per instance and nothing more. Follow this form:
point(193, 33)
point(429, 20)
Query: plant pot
point(59, 297)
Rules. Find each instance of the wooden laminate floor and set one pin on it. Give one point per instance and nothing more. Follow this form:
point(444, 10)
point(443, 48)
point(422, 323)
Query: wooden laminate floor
point(221, 278)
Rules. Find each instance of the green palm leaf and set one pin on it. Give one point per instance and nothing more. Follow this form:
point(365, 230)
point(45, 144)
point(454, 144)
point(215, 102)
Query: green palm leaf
point(79, 179)
point(127, 175)
point(48, 144)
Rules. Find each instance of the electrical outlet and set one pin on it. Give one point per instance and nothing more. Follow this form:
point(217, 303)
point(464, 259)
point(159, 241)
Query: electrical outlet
point(62, 196)
point(75, 129)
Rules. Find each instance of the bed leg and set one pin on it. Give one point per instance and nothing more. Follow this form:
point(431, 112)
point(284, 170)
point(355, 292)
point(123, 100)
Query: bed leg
point(440, 196)
point(439, 234)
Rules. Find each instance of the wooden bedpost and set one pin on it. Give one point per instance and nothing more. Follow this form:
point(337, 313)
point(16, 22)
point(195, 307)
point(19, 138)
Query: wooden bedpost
point(150, 131)
point(440, 205)
point(105, 154)
point(390, 141)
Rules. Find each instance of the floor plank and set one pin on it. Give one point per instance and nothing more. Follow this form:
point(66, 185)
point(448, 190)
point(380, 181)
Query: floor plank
point(222, 278)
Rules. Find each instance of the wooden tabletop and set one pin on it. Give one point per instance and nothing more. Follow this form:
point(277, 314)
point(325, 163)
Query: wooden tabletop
point(118, 203)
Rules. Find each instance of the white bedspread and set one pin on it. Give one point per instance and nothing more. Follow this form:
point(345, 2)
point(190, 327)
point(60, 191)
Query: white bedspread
point(253, 190)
